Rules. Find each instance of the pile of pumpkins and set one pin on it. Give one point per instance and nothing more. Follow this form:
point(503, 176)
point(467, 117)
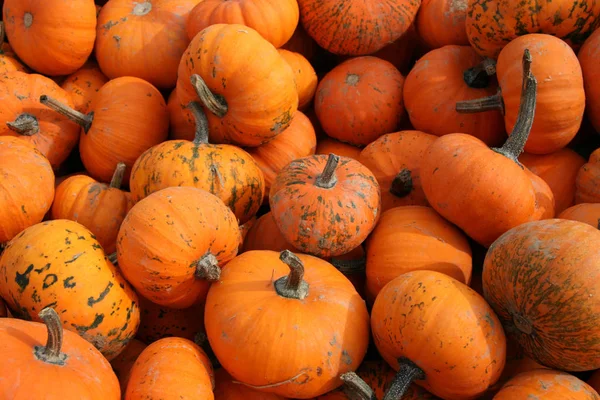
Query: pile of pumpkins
point(299, 199)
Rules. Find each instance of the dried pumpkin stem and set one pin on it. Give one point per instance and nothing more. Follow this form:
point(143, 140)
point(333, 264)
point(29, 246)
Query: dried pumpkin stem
point(208, 268)
point(478, 77)
point(494, 102)
point(25, 124)
point(350, 267)
point(405, 376)
point(117, 178)
point(112, 257)
point(293, 285)
point(216, 104)
point(327, 179)
point(201, 134)
point(82, 119)
point(402, 185)
point(51, 353)
point(355, 388)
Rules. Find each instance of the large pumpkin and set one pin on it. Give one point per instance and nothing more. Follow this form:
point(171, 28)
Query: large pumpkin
point(84, 84)
point(541, 279)
point(442, 22)
point(583, 212)
point(589, 58)
point(546, 384)
point(588, 180)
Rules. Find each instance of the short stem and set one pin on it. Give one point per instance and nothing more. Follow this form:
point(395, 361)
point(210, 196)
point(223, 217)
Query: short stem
point(478, 77)
point(355, 388)
point(350, 267)
point(490, 103)
point(51, 353)
point(327, 179)
point(201, 134)
point(402, 185)
point(117, 178)
point(293, 285)
point(215, 104)
point(208, 268)
point(25, 124)
point(84, 120)
point(405, 376)
point(112, 258)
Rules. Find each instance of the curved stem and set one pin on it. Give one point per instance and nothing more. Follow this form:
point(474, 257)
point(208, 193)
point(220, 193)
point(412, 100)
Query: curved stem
point(84, 120)
point(25, 124)
point(355, 388)
point(402, 185)
point(112, 258)
point(327, 179)
point(478, 77)
point(208, 268)
point(407, 373)
point(117, 178)
point(201, 134)
point(513, 147)
point(293, 285)
point(51, 353)
point(493, 102)
point(216, 104)
point(350, 267)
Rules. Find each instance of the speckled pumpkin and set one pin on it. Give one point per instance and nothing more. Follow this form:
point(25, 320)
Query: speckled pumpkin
point(546, 384)
point(83, 85)
point(159, 322)
point(59, 263)
point(587, 183)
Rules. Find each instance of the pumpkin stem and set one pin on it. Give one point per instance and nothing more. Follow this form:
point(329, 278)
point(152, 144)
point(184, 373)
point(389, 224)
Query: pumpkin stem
point(201, 134)
point(293, 285)
point(402, 184)
point(208, 268)
point(327, 179)
point(513, 147)
point(51, 353)
point(112, 258)
point(493, 102)
point(216, 104)
point(355, 388)
point(25, 124)
point(117, 178)
point(350, 267)
point(407, 373)
point(478, 77)
point(82, 119)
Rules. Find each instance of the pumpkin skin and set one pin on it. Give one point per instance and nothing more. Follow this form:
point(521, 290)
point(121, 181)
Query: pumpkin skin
point(245, 312)
point(306, 77)
point(181, 120)
point(587, 183)
point(437, 82)
point(400, 53)
point(395, 160)
point(157, 243)
point(442, 22)
point(83, 374)
point(274, 20)
point(153, 56)
point(356, 28)
point(61, 263)
point(158, 322)
point(84, 84)
point(328, 145)
point(171, 368)
point(325, 217)
point(67, 29)
point(227, 389)
point(445, 328)
point(583, 212)
point(491, 24)
point(27, 189)
point(228, 58)
point(517, 272)
point(123, 363)
point(8, 59)
point(265, 235)
point(589, 58)
point(360, 100)
point(546, 384)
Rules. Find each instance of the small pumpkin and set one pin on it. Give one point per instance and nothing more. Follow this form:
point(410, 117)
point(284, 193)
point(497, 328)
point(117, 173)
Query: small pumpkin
point(583, 212)
point(123, 363)
point(589, 58)
point(546, 383)
point(181, 121)
point(305, 76)
point(226, 388)
point(325, 206)
point(84, 84)
point(66, 367)
point(328, 145)
point(158, 322)
point(8, 60)
point(442, 22)
point(587, 183)
point(265, 235)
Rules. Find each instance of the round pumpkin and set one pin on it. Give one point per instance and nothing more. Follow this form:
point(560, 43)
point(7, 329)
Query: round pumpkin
point(83, 85)
point(265, 235)
point(587, 183)
point(546, 384)
point(305, 76)
point(123, 363)
point(271, 306)
point(442, 22)
point(181, 121)
point(583, 212)
point(158, 322)
point(589, 58)
point(328, 145)
point(226, 388)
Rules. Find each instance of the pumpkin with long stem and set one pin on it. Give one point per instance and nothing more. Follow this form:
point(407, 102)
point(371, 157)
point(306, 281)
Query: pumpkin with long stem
point(583, 212)
point(589, 58)
point(123, 363)
point(442, 22)
point(8, 60)
point(158, 322)
point(587, 182)
point(83, 85)
point(65, 367)
point(546, 383)
point(305, 76)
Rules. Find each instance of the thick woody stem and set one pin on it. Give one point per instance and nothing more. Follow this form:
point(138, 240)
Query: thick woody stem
point(216, 104)
point(293, 285)
point(494, 102)
point(402, 185)
point(117, 178)
point(478, 77)
point(208, 268)
point(25, 124)
point(355, 388)
point(201, 134)
point(405, 376)
point(85, 121)
point(327, 179)
point(51, 353)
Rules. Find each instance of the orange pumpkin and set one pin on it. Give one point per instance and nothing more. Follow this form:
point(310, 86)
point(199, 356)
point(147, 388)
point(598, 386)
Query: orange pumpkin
point(181, 121)
point(61, 263)
point(27, 188)
point(589, 58)
point(400, 53)
point(360, 100)
point(158, 322)
point(325, 206)
point(123, 363)
point(328, 145)
point(305, 75)
point(54, 37)
point(246, 87)
point(171, 368)
point(66, 367)
point(587, 183)
point(265, 235)
point(99, 207)
point(84, 84)
point(159, 227)
point(8, 60)
point(226, 388)
point(583, 212)
point(442, 22)
point(546, 383)
point(267, 306)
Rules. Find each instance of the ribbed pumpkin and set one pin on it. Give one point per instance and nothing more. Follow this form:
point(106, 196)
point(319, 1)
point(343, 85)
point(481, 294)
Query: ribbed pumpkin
point(325, 206)
point(356, 27)
point(583, 212)
point(83, 85)
point(173, 241)
point(123, 363)
point(60, 263)
point(40, 361)
point(226, 388)
point(587, 183)
point(442, 22)
point(224, 170)
point(53, 37)
point(181, 121)
point(154, 55)
point(540, 278)
point(546, 384)
point(271, 306)
point(27, 189)
point(244, 84)
point(158, 322)
point(589, 58)
point(360, 100)
point(305, 76)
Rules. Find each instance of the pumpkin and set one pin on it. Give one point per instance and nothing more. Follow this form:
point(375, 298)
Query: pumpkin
point(66, 367)
point(27, 188)
point(583, 212)
point(297, 141)
point(589, 58)
point(491, 24)
point(83, 85)
point(173, 241)
point(181, 121)
point(441, 78)
point(442, 22)
point(171, 368)
point(8, 60)
point(265, 235)
point(224, 170)
point(274, 20)
point(415, 238)
point(244, 84)
point(325, 206)
point(271, 306)
point(400, 53)
point(360, 100)
point(60, 263)
point(356, 27)
point(438, 332)
point(53, 37)
point(306, 77)
point(226, 388)
point(395, 160)
point(159, 322)
point(123, 363)
point(587, 183)
point(23, 116)
point(99, 207)
point(548, 384)
point(302, 43)
point(328, 145)
point(128, 116)
point(154, 55)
